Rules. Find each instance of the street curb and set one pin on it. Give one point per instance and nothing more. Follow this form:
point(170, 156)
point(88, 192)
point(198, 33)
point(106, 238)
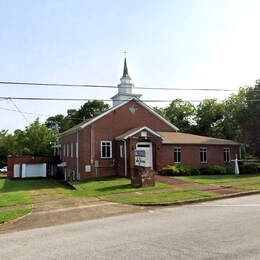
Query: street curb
point(186, 202)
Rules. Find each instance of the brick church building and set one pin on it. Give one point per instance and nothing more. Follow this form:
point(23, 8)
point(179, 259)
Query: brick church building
point(132, 134)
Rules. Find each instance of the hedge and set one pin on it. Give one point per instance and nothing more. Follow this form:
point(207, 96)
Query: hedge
point(185, 170)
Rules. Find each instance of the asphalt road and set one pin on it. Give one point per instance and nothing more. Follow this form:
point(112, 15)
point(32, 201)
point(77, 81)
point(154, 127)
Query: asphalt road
point(225, 229)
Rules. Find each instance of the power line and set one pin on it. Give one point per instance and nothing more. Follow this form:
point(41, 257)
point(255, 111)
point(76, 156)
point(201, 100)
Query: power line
point(108, 86)
point(18, 109)
point(88, 99)
point(28, 113)
point(36, 114)
point(105, 100)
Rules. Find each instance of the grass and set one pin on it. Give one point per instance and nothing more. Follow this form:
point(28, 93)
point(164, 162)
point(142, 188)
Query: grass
point(110, 185)
point(246, 186)
point(21, 192)
point(164, 197)
point(9, 215)
point(220, 179)
point(18, 192)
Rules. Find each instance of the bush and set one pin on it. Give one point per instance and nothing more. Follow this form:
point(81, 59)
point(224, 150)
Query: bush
point(213, 170)
point(180, 170)
point(185, 170)
point(247, 168)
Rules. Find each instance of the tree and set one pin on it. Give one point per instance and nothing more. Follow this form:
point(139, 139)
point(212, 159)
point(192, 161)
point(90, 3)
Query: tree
point(59, 123)
point(234, 113)
point(209, 118)
point(181, 114)
point(89, 110)
point(6, 146)
point(37, 139)
point(251, 120)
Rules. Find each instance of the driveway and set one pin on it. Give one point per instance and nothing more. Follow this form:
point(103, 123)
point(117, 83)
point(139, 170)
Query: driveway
point(226, 229)
point(54, 210)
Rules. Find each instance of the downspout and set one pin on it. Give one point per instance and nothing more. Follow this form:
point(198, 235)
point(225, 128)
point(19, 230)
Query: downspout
point(78, 175)
point(125, 157)
point(92, 151)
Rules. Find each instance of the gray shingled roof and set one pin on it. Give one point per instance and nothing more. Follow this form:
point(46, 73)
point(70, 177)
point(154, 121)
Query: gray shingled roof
point(182, 138)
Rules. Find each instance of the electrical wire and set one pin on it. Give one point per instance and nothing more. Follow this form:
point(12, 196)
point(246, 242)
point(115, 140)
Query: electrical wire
point(105, 100)
point(18, 110)
point(108, 86)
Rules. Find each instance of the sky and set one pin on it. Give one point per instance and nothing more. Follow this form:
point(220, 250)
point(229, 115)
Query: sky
point(169, 43)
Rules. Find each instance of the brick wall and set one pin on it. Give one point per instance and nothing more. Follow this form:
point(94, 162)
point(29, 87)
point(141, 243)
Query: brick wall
point(190, 154)
point(118, 122)
point(107, 128)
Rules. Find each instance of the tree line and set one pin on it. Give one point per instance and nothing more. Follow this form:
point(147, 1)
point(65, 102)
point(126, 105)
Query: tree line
point(237, 118)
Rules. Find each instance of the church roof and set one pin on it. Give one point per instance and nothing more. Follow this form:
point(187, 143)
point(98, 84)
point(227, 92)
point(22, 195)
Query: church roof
point(183, 138)
point(92, 120)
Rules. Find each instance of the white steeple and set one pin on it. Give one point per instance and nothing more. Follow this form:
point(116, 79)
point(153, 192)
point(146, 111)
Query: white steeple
point(124, 88)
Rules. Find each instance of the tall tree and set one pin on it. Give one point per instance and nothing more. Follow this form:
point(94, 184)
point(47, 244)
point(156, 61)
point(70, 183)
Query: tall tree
point(37, 139)
point(209, 118)
point(251, 122)
point(181, 114)
point(234, 113)
point(59, 123)
point(89, 110)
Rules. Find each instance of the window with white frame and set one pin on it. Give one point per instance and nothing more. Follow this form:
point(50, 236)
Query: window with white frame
point(64, 150)
point(121, 147)
point(71, 150)
point(203, 155)
point(177, 155)
point(226, 155)
point(68, 150)
point(106, 149)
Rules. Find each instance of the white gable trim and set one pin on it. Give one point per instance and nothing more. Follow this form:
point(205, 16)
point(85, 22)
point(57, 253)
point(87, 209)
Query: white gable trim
point(122, 104)
point(141, 129)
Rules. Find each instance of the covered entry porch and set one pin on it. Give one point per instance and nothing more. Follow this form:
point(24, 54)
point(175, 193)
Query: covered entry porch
point(137, 147)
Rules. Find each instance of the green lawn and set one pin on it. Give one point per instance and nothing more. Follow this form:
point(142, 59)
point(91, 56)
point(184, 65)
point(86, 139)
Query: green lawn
point(110, 185)
point(164, 197)
point(219, 179)
point(9, 215)
point(20, 192)
point(17, 192)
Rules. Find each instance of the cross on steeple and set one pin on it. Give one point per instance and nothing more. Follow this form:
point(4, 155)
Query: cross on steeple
point(125, 52)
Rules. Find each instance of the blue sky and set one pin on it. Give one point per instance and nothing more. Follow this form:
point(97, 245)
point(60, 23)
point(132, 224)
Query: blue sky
point(184, 44)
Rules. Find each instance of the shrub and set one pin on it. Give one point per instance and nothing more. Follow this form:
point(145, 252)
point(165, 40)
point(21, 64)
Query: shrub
point(247, 168)
point(180, 170)
point(170, 170)
point(213, 170)
point(230, 168)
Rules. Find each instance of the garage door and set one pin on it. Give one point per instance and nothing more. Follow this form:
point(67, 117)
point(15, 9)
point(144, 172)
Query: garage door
point(33, 170)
